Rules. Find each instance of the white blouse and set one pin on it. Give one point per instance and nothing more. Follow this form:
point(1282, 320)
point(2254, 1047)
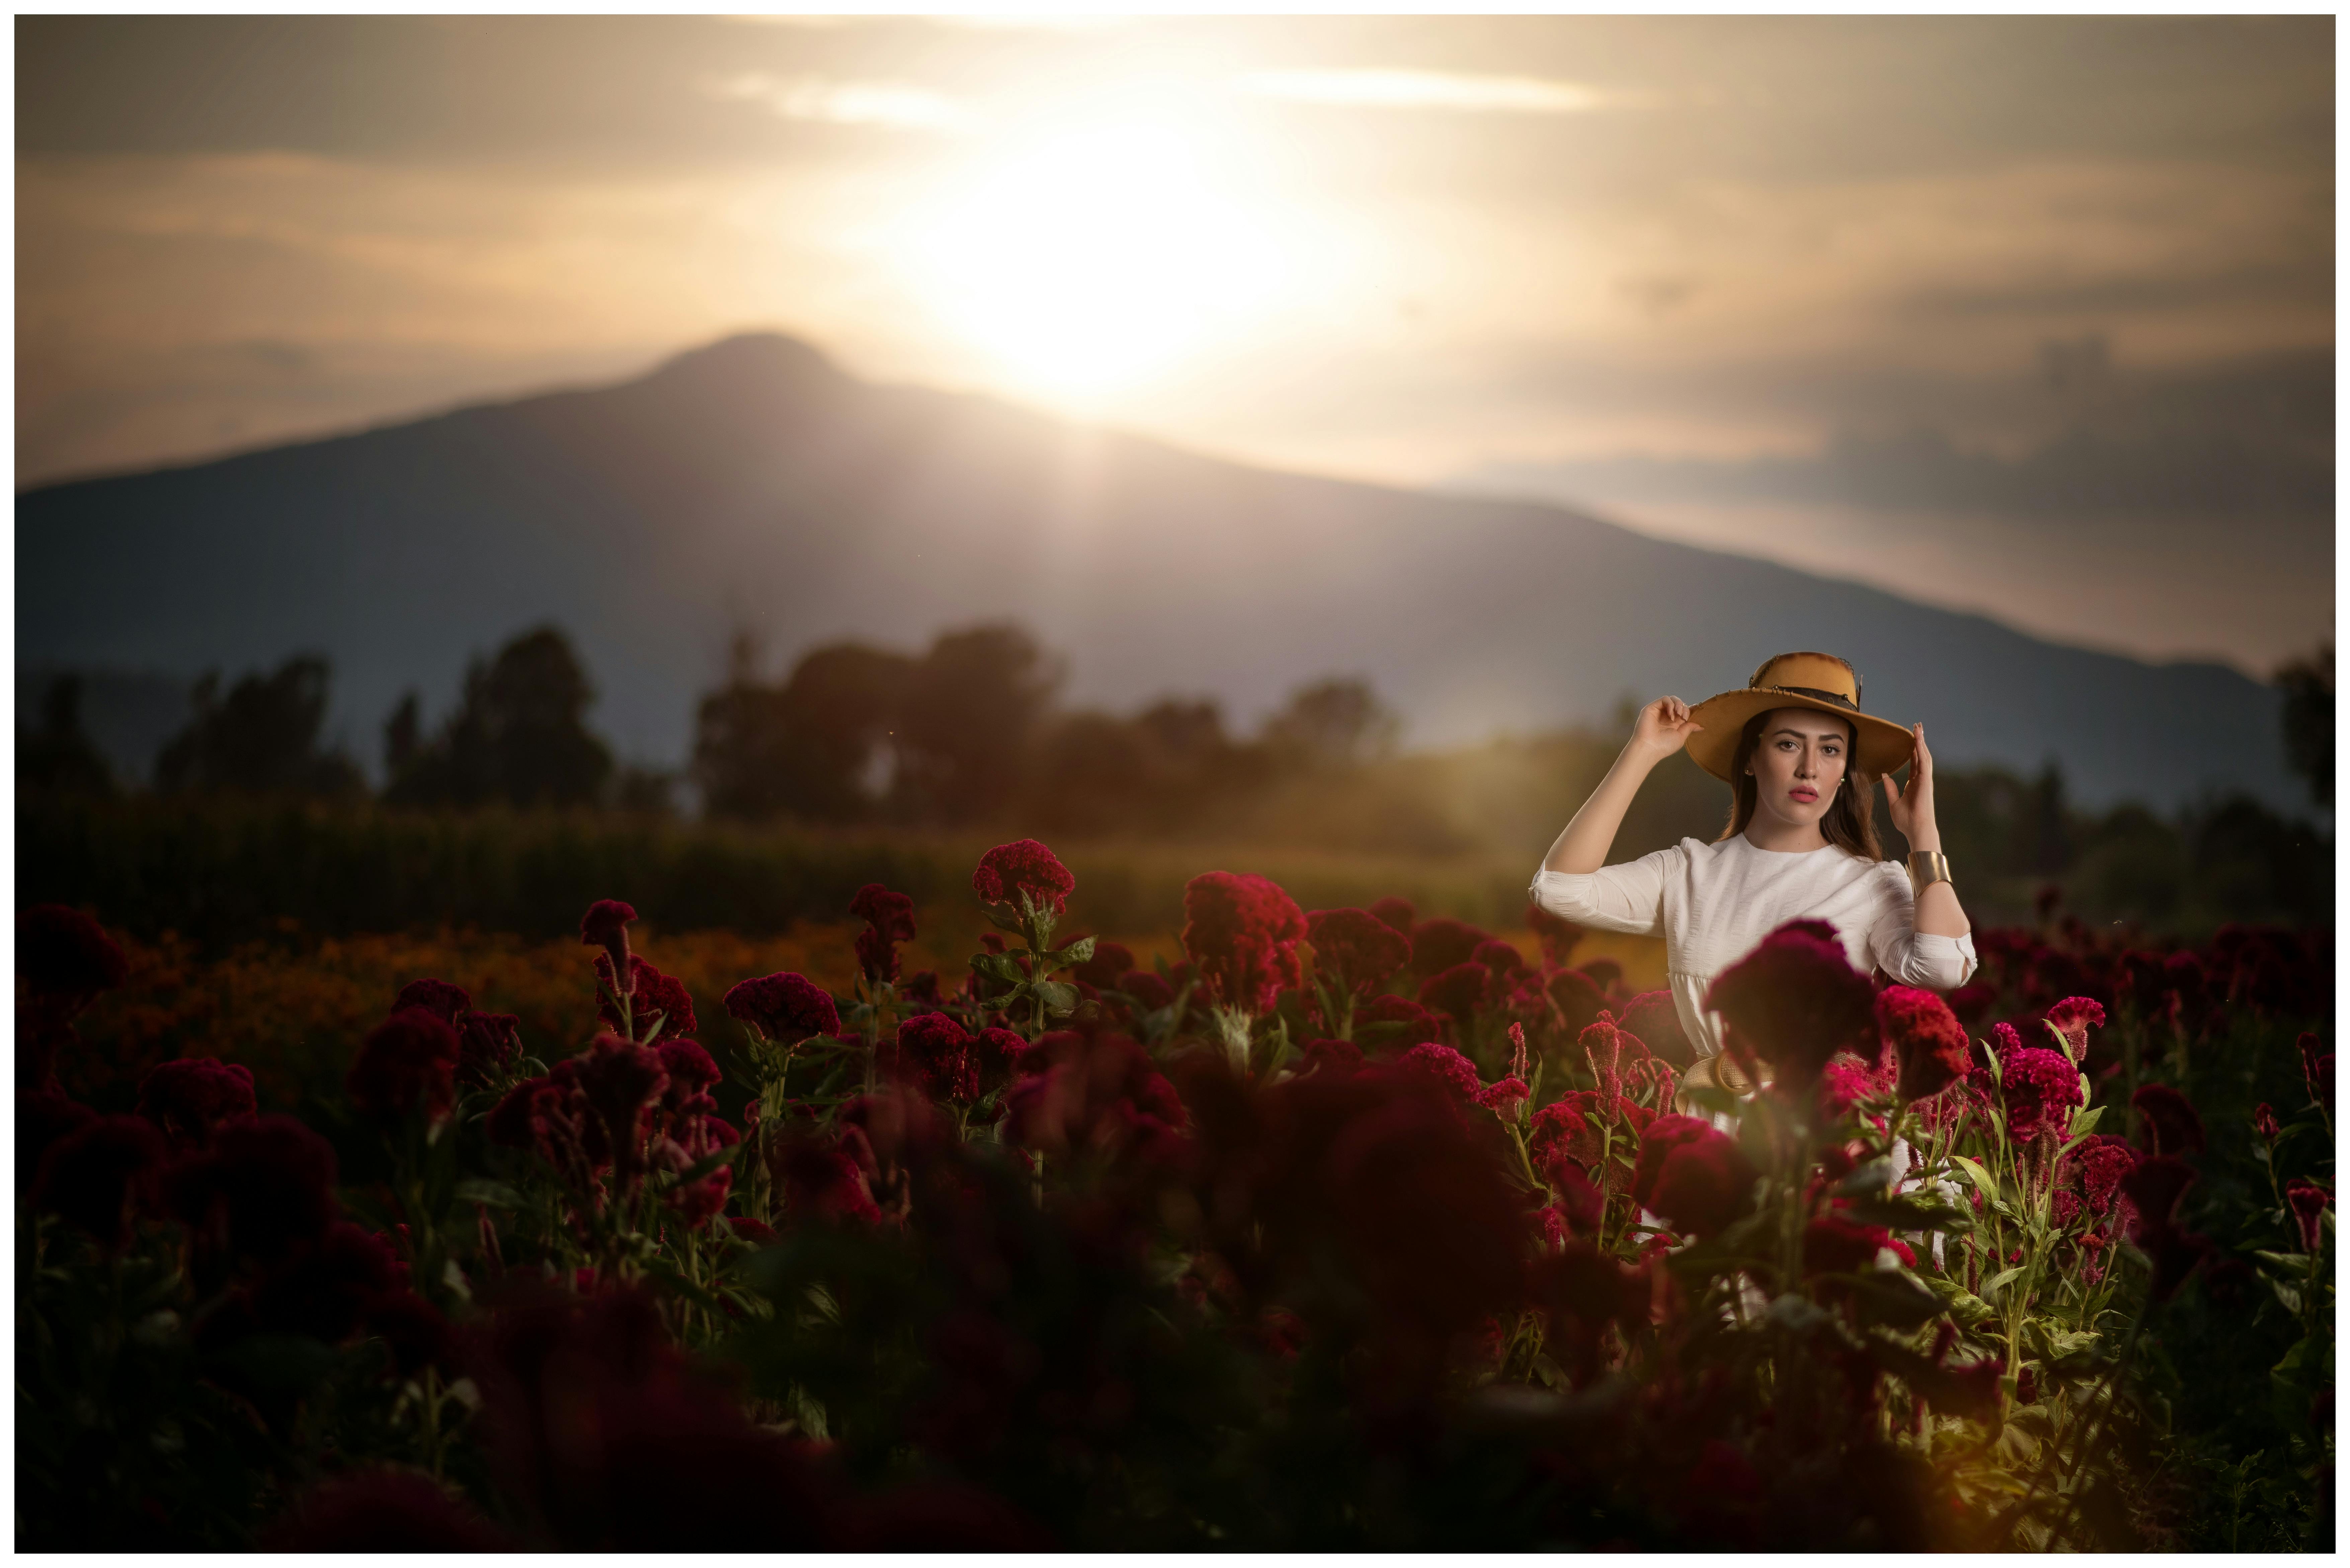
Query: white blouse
point(1713, 902)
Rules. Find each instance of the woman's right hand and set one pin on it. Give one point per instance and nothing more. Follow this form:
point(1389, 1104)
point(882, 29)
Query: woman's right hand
point(1663, 727)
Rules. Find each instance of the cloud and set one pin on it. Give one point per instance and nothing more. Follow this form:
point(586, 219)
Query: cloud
point(896, 105)
point(1452, 91)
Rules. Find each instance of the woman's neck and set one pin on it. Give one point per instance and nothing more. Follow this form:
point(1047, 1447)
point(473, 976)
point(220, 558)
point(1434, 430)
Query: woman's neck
point(1784, 838)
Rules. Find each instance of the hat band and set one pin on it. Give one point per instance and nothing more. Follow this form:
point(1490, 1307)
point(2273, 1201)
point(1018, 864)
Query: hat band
point(1839, 700)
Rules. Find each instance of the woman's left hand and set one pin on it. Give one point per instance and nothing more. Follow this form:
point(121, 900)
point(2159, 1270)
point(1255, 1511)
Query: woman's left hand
point(1912, 809)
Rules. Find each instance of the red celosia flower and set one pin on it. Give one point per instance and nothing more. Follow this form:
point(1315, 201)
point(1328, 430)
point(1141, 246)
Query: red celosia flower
point(1697, 1178)
point(2265, 1122)
point(1102, 971)
point(2308, 1203)
point(103, 1176)
point(1559, 1126)
point(1460, 991)
point(1582, 1290)
point(1580, 1204)
point(935, 1051)
point(1102, 1098)
point(1355, 949)
point(324, 1287)
point(437, 997)
point(2040, 1090)
point(266, 1186)
point(617, 1080)
point(605, 926)
point(1845, 1083)
point(1558, 937)
point(487, 1046)
point(1926, 1038)
point(1442, 942)
point(1333, 1057)
point(1653, 1017)
point(407, 1063)
point(2098, 1166)
point(692, 1076)
point(1795, 1001)
point(757, 1233)
point(1242, 931)
point(64, 954)
point(2167, 1121)
point(1383, 1012)
point(890, 919)
point(2317, 1071)
point(784, 1007)
point(1397, 912)
point(1149, 992)
point(389, 1511)
point(1025, 868)
point(414, 1334)
point(659, 1005)
point(512, 1123)
point(1444, 1066)
point(1498, 956)
point(188, 1099)
point(1579, 1001)
point(2154, 1189)
point(1503, 1098)
point(2073, 1018)
point(1835, 1244)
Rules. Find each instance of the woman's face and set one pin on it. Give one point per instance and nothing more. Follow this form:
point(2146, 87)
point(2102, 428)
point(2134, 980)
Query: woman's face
point(1799, 764)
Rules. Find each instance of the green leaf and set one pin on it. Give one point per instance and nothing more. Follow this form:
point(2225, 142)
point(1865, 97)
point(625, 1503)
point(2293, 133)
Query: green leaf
point(1076, 952)
point(1056, 996)
point(1909, 1212)
point(1893, 1296)
point(1998, 1281)
point(1875, 1177)
point(998, 966)
point(2085, 1121)
point(1003, 917)
point(1963, 1304)
point(480, 1190)
point(707, 1164)
point(1978, 1175)
point(1712, 1099)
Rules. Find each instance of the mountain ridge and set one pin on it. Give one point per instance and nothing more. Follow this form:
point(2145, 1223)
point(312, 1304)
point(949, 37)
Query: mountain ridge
point(753, 481)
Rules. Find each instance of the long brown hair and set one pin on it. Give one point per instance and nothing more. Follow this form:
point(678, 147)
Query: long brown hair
point(1851, 821)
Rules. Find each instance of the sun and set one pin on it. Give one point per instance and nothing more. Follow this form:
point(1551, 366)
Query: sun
point(1088, 260)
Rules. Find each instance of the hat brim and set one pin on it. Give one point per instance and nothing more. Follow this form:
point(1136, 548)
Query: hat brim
point(1881, 746)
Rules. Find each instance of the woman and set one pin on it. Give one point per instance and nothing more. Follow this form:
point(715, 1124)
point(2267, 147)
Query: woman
point(1802, 763)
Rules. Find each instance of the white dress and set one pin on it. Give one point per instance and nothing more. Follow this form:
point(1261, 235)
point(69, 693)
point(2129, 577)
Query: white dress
point(1713, 902)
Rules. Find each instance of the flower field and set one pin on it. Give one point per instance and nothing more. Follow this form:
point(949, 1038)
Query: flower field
point(1348, 1229)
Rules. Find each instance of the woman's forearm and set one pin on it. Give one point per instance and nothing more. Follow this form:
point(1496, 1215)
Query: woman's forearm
point(1939, 914)
point(1583, 847)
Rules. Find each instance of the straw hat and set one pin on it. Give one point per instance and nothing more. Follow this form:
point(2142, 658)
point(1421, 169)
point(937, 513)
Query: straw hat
point(1815, 681)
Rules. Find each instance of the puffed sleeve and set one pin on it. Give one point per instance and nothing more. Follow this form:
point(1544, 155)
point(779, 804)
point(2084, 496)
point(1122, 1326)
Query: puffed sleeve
point(1910, 956)
point(1626, 898)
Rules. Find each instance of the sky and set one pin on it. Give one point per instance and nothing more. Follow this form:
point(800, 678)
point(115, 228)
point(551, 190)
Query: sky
point(2028, 315)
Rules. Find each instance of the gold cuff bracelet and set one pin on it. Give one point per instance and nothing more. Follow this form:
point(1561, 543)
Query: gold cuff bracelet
point(1928, 866)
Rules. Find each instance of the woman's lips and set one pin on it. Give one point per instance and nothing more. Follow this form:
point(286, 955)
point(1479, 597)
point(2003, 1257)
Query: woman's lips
point(1803, 794)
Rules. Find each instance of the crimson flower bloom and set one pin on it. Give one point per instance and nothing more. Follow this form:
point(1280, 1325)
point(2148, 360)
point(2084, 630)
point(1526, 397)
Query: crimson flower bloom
point(2167, 1121)
point(265, 1186)
point(1445, 1065)
point(2318, 1070)
point(487, 1044)
point(784, 1007)
point(1333, 1057)
point(1242, 931)
point(1693, 1175)
point(692, 1076)
point(1395, 912)
point(103, 1176)
point(1502, 958)
point(2308, 1203)
point(890, 919)
point(1023, 869)
point(407, 1063)
point(1657, 1021)
point(1927, 1041)
point(2040, 1089)
point(651, 995)
point(1355, 949)
point(2098, 1168)
point(605, 926)
point(437, 997)
point(2073, 1018)
point(189, 1097)
point(618, 1080)
point(1836, 1244)
point(1460, 991)
point(1795, 1001)
point(1505, 1098)
point(936, 1052)
point(1442, 942)
point(1845, 1083)
point(2265, 1122)
point(64, 954)
point(2155, 1188)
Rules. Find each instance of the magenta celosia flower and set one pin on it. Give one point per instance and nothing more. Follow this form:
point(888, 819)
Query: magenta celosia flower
point(2265, 1122)
point(487, 1047)
point(1102, 1099)
point(265, 1186)
point(659, 1005)
point(189, 1098)
point(103, 1176)
point(1442, 942)
point(1149, 992)
point(1503, 1098)
point(1697, 1178)
point(2167, 1121)
point(825, 1185)
point(1795, 1001)
point(1460, 993)
point(513, 1122)
point(1838, 1244)
point(692, 1075)
point(1110, 961)
point(1498, 956)
point(1444, 1066)
point(2155, 1188)
point(2098, 1166)
point(1333, 1057)
point(1394, 911)
point(2308, 1203)
point(784, 1007)
point(1926, 1039)
point(437, 997)
point(2072, 1018)
point(935, 1051)
point(324, 1289)
point(890, 919)
point(1242, 931)
point(1354, 949)
point(2040, 1090)
point(605, 926)
point(407, 1063)
point(1580, 1204)
point(1657, 1021)
point(619, 1081)
point(1845, 1082)
point(64, 954)
point(1025, 868)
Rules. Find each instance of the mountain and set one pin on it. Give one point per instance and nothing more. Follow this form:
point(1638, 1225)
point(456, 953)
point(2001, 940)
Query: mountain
point(753, 482)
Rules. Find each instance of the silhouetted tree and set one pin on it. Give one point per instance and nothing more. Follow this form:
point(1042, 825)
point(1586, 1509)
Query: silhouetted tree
point(972, 706)
point(2308, 683)
point(518, 736)
point(1335, 724)
point(806, 748)
point(261, 739)
point(59, 755)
